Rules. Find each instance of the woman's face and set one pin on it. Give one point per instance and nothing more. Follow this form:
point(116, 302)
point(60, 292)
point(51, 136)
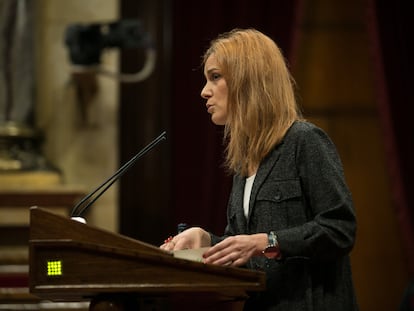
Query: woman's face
point(215, 91)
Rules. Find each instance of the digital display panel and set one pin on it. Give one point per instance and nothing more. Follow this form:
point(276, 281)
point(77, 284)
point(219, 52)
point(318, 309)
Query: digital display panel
point(54, 267)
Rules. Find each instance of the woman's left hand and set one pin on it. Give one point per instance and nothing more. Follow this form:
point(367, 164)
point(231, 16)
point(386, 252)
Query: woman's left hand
point(236, 250)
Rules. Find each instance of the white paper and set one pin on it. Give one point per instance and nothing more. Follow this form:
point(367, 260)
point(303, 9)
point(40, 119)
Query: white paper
point(195, 254)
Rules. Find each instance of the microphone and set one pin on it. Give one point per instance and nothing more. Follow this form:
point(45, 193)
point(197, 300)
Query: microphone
point(89, 199)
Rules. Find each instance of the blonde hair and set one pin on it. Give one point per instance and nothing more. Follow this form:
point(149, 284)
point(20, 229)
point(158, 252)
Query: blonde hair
point(261, 99)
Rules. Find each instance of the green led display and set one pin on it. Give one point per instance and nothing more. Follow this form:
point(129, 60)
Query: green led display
point(54, 267)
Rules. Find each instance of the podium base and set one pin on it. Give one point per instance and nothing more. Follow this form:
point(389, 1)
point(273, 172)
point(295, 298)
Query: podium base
point(130, 302)
point(114, 302)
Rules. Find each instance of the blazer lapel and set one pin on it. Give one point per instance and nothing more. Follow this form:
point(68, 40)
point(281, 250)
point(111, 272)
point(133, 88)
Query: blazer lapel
point(238, 187)
point(264, 169)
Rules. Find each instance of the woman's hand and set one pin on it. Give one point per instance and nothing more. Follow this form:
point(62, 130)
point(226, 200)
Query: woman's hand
point(194, 237)
point(236, 250)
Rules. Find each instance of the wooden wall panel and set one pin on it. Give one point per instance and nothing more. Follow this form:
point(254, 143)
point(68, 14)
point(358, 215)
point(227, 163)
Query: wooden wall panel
point(335, 79)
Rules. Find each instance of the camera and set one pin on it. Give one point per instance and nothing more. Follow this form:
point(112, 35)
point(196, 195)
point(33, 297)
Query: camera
point(86, 42)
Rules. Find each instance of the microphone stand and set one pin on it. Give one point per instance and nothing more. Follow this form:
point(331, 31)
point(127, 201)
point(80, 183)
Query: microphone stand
point(87, 201)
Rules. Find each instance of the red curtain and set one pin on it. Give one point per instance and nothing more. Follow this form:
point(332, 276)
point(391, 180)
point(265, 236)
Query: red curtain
point(200, 185)
point(392, 32)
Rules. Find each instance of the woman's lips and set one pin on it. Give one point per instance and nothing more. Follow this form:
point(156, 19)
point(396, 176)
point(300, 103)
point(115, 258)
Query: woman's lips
point(209, 108)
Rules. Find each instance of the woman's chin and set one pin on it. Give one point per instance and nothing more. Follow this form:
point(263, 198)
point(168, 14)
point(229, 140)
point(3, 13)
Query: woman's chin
point(217, 121)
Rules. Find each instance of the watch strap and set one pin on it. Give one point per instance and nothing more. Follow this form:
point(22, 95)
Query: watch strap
point(272, 250)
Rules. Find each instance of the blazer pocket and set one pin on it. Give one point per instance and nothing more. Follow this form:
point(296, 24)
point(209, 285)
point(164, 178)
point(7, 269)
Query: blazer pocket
point(281, 190)
point(282, 201)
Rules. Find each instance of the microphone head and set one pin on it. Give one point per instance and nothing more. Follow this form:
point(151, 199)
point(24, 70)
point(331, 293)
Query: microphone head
point(79, 219)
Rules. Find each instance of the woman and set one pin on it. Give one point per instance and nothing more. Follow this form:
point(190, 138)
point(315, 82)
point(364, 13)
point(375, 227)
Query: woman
point(290, 212)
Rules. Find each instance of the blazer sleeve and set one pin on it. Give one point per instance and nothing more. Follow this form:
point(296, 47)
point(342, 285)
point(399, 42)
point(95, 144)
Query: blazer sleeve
point(330, 228)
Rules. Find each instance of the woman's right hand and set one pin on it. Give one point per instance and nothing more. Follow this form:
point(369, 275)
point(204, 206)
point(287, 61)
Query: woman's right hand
point(194, 237)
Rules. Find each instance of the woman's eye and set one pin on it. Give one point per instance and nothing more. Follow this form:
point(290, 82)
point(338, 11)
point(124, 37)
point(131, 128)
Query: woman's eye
point(215, 76)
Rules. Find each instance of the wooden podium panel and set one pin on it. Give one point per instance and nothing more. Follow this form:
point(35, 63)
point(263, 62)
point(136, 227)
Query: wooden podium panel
point(71, 261)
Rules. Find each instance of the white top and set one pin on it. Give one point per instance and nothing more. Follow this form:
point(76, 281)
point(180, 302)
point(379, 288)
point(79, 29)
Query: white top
point(247, 192)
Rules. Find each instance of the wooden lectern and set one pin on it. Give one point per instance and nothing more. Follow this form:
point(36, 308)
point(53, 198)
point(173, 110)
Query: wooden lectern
point(71, 261)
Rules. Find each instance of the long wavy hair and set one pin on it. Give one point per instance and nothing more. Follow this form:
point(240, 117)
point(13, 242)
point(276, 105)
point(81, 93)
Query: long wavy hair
point(261, 97)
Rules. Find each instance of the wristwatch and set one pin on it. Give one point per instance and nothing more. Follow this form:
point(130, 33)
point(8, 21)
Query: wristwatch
point(272, 250)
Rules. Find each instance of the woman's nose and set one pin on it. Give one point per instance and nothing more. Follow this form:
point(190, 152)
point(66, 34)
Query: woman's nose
point(205, 93)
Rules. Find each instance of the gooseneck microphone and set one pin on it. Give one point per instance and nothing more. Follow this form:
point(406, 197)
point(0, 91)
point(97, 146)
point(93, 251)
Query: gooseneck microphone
point(81, 207)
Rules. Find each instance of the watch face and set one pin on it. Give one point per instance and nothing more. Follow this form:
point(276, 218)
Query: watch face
point(271, 252)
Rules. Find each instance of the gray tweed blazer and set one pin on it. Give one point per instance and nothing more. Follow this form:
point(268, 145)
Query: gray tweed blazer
point(300, 193)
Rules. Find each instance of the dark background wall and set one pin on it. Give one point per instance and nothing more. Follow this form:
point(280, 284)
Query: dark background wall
point(182, 181)
point(351, 62)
